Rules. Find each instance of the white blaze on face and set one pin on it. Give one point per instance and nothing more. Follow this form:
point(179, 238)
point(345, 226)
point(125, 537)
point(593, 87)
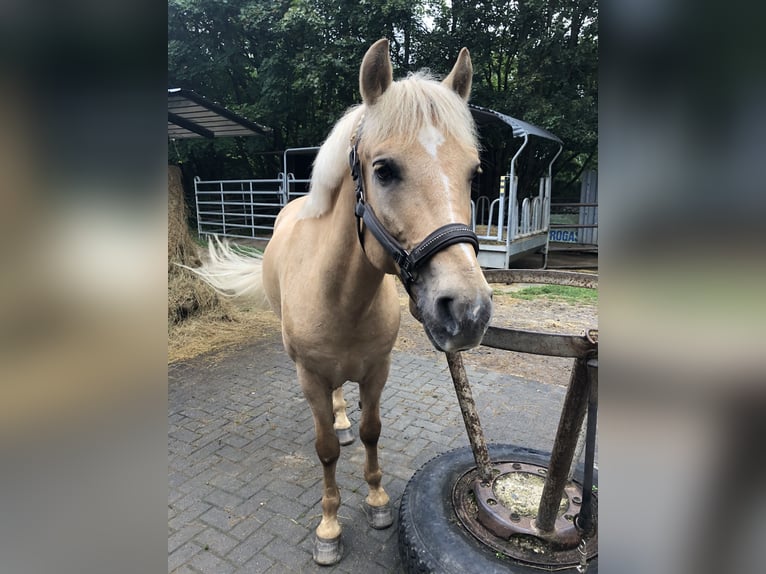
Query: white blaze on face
point(431, 138)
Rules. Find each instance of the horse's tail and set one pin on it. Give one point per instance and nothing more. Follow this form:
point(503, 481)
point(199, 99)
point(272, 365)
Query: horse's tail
point(232, 273)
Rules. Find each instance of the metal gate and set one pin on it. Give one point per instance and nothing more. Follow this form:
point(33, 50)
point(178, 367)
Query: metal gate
point(247, 208)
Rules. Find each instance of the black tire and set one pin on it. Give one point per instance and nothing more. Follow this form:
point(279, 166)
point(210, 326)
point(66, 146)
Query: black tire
point(432, 538)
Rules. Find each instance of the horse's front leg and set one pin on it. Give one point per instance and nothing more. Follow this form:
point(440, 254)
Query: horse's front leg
point(318, 392)
point(377, 505)
point(342, 424)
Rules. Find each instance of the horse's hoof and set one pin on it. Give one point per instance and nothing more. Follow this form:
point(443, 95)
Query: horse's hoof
point(345, 436)
point(379, 517)
point(327, 552)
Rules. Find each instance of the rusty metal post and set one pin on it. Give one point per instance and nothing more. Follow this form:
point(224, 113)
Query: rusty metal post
point(585, 520)
point(571, 420)
point(470, 416)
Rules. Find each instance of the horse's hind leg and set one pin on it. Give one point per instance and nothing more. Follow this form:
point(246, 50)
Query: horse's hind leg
point(327, 545)
point(342, 424)
point(377, 505)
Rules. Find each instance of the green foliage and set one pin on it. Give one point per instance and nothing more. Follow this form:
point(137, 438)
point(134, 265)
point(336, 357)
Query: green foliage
point(292, 65)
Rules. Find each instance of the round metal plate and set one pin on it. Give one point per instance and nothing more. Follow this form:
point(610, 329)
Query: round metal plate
point(517, 537)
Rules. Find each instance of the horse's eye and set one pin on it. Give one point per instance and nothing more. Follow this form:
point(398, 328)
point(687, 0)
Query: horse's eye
point(385, 172)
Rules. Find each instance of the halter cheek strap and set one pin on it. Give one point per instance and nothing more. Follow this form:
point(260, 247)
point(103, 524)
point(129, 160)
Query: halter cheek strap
point(408, 261)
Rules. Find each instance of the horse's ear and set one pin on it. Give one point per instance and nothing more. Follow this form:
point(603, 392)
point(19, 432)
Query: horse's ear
point(376, 73)
point(461, 76)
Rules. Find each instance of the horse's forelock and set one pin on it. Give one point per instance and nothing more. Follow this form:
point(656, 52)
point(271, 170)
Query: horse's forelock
point(415, 102)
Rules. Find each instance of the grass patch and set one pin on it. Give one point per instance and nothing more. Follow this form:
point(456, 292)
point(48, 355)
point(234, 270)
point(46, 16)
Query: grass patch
point(558, 292)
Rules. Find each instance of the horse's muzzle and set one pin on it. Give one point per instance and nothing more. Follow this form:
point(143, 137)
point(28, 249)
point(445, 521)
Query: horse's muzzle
point(456, 322)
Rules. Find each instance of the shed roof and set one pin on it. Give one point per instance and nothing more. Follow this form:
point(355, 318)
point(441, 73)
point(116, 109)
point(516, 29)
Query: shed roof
point(520, 128)
point(192, 116)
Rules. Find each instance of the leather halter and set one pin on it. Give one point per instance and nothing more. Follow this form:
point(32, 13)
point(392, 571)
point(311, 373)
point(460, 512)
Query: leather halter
point(408, 261)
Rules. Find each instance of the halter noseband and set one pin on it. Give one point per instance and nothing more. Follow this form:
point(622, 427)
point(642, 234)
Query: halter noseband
point(408, 261)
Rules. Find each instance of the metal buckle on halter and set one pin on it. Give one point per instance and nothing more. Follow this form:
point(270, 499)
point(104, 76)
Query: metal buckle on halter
point(353, 161)
point(407, 277)
point(404, 262)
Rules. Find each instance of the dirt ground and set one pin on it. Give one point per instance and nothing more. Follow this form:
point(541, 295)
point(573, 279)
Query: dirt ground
point(546, 315)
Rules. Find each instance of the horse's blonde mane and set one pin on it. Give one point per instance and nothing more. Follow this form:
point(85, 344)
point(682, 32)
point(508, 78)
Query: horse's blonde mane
point(405, 107)
point(331, 165)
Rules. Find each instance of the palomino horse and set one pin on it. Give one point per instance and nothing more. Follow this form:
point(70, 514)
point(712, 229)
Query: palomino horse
point(390, 195)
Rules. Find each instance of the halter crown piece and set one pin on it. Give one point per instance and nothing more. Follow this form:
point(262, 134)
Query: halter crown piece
point(408, 261)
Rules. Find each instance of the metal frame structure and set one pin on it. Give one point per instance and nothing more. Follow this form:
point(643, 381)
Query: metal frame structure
point(244, 208)
point(247, 208)
point(525, 226)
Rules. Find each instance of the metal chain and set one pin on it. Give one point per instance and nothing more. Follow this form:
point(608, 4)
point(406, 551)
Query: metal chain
point(583, 566)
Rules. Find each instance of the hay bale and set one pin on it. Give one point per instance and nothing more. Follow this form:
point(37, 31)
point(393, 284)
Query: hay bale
point(181, 246)
point(187, 295)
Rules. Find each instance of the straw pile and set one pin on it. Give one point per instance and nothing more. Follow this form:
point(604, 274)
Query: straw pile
point(188, 296)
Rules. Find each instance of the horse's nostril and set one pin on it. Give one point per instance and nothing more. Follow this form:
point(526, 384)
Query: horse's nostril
point(445, 313)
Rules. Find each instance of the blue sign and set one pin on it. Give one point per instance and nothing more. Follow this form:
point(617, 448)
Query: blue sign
point(563, 235)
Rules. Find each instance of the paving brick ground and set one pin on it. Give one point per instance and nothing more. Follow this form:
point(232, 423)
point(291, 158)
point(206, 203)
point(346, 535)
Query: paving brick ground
point(244, 481)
